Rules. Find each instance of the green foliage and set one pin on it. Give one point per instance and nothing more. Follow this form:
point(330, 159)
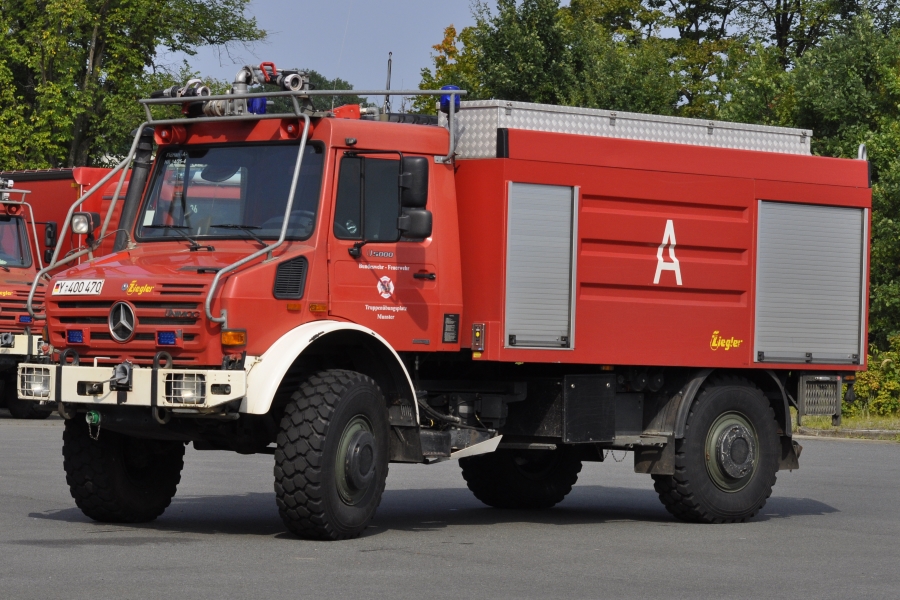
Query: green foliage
point(833, 67)
point(878, 389)
point(70, 70)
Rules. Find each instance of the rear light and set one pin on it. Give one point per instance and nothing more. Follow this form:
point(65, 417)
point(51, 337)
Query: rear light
point(165, 338)
point(234, 337)
point(26, 319)
point(75, 336)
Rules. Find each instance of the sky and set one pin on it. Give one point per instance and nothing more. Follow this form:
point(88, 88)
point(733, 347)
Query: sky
point(349, 39)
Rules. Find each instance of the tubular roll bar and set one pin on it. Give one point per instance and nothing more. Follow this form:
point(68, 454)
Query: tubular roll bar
point(223, 319)
point(298, 113)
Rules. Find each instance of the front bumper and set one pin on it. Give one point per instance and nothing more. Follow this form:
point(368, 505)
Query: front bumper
point(191, 390)
point(20, 346)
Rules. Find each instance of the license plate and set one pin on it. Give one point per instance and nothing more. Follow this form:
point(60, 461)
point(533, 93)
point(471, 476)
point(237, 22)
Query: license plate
point(78, 287)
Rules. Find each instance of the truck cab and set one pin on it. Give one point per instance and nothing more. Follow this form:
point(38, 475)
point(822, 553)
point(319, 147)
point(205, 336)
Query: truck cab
point(33, 205)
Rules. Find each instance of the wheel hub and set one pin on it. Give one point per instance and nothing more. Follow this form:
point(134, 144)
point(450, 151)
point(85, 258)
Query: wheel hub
point(359, 466)
point(735, 451)
point(354, 464)
point(732, 451)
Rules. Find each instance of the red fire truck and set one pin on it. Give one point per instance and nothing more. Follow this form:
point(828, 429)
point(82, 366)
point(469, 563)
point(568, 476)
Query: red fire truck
point(33, 205)
point(520, 287)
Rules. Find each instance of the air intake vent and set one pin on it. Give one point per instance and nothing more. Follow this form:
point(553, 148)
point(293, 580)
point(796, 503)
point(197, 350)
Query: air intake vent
point(290, 279)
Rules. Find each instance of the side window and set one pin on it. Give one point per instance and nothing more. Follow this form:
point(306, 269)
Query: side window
point(377, 177)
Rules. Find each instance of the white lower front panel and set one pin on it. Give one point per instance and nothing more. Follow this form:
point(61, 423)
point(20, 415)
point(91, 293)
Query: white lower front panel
point(175, 388)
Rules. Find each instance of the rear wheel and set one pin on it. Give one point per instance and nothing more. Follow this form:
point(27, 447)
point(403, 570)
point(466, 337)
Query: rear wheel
point(332, 453)
point(725, 465)
point(524, 479)
point(118, 478)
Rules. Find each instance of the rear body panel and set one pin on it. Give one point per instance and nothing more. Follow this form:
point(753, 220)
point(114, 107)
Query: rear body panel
point(642, 207)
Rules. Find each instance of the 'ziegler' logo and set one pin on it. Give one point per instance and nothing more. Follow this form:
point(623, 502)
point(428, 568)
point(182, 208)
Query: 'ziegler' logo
point(7, 292)
point(135, 288)
point(182, 314)
point(725, 343)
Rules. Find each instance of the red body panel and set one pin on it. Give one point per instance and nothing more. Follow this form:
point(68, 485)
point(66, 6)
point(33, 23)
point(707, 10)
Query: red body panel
point(628, 191)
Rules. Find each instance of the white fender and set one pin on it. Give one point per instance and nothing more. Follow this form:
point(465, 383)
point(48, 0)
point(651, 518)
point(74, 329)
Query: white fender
point(267, 371)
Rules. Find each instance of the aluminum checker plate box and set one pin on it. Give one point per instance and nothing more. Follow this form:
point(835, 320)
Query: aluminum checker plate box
point(479, 120)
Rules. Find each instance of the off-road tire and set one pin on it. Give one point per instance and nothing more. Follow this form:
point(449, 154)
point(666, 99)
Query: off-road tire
point(312, 496)
point(522, 479)
point(21, 409)
point(692, 494)
point(118, 478)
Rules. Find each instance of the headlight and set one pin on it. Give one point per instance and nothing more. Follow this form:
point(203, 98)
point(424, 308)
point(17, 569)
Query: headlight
point(34, 382)
point(81, 224)
point(185, 388)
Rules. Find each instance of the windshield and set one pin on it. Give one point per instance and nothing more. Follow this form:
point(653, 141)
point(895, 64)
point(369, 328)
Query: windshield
point(231, 192)
point(14, 249)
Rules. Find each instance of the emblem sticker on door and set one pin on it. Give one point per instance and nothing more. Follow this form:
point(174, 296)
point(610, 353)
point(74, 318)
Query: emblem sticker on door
point(385, 287)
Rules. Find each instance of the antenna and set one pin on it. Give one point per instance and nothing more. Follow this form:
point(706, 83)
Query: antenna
point(387, 102)
point(341, 55)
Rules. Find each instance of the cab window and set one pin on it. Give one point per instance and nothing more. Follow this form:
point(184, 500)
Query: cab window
point(367, 186)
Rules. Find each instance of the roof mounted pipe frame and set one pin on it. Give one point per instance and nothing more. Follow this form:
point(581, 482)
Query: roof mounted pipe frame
point(54, 262)
point(294, 95)
point(223, 319)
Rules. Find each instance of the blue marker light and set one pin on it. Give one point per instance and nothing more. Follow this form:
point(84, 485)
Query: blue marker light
point(165, 338)
point(75, 336)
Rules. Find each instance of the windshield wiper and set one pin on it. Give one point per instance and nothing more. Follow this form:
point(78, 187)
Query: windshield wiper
point(177, 229)
point(5, 268)
point(248, 229)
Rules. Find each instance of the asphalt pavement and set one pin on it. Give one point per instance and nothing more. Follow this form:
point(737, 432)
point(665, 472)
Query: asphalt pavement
point(830, 530)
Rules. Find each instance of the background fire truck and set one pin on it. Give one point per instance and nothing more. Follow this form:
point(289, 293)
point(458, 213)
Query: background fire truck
point(522, 289)
point(34, 204)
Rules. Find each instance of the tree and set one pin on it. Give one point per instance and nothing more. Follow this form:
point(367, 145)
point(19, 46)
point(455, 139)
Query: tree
point(72, 65)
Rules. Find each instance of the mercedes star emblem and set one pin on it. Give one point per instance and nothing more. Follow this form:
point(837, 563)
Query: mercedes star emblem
point(121, 321)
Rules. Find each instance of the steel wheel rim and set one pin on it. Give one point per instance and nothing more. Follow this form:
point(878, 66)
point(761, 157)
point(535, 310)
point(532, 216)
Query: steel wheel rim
point(350, 495)
point(730, 435)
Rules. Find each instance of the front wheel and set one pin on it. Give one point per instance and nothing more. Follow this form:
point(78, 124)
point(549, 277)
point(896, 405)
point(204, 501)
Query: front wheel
point(118, 478)
point(725, 465)
point(525, 479)
point(332, 454)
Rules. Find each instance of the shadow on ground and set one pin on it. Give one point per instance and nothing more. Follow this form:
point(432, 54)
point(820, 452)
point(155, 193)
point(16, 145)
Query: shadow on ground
point(402, 510)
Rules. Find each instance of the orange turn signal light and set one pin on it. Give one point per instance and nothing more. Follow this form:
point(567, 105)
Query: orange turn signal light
point(318, 307)
point(234, 337)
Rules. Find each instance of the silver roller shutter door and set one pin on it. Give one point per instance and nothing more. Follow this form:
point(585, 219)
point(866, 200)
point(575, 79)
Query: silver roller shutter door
point(539, 265)
point(809, 283)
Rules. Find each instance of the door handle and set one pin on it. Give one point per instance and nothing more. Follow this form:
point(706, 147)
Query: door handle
point(430, 276)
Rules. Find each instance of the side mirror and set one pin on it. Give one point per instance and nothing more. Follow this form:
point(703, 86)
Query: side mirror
point(85, 223)
point(415, 223)
point(48, 255)
point(50, 232)
point(414, 182)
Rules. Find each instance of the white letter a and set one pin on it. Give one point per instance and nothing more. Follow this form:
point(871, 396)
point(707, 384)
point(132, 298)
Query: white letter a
point(661, 265)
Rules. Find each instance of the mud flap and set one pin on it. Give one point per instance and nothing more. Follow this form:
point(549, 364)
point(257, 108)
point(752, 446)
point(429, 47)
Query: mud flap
point(790, 454)
point(655, 461)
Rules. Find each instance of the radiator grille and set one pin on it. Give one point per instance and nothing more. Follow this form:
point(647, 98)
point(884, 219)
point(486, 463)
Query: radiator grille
point(290, 279)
